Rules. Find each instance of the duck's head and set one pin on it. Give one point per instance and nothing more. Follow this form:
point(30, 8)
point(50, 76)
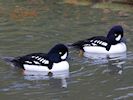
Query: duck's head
point(58, 53)
point(115, 34)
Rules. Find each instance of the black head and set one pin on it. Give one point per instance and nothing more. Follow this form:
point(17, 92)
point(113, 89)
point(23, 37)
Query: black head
point(58, 53)
point(115, 34)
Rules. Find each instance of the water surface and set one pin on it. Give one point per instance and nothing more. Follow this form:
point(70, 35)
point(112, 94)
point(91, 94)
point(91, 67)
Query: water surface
point(27, 27)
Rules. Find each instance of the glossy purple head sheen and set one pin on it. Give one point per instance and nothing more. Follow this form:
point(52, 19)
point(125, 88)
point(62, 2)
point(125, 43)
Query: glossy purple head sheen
point(58, 53)
point(115, 34)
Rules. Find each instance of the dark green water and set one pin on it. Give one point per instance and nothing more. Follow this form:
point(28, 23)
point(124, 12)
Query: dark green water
point(27, 27)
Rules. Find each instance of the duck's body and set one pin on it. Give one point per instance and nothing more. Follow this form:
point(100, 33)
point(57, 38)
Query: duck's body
point(118, 48)
point(112, 43)
point(54, 60)
point(61, 66)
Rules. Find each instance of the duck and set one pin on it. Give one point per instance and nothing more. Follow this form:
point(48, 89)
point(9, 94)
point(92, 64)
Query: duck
point(113, 43)
point(53, 61)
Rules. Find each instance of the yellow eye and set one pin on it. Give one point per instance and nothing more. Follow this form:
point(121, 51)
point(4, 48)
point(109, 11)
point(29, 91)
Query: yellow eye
point(60, 53)
point(115, 34)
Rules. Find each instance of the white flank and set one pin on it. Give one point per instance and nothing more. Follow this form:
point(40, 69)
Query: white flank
point(56, 67)
point(118, 48)
point(118, 38)
point(64, 56)
point(60, 66)
point(35, 67)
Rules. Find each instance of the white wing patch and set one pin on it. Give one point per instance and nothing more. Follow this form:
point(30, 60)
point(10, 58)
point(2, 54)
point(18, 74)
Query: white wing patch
point(36, 62)
point(45, 61)
point(95, 42)
point(87, 45)
point(28, 62)
point(104, 44)
point(40, 60)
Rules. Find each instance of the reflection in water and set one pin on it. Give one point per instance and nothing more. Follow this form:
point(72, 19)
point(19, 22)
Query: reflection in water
point(124, 97)
point(116, 66)
point(53, 76)
point(114, 61)
point(105, 56)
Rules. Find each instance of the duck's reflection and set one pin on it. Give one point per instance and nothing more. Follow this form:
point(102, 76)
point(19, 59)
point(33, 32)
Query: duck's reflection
point(59, 76)
point(105, 56)
point(116, 65)
point(115, 62)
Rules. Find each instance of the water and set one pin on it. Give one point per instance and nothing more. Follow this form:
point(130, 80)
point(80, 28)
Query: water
point(27, 26)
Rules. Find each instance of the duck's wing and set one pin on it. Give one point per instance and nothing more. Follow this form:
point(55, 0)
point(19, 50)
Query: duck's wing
point(94, 41)
point(39, 59)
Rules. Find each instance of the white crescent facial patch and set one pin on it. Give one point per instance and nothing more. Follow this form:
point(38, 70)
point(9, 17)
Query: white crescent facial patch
point(64, 56)
point(118, 38)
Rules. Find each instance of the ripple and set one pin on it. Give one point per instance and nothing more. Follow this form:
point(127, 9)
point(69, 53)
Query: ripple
point(130, 55)
point(14, 86)
point(124, 88)
point(124, 97)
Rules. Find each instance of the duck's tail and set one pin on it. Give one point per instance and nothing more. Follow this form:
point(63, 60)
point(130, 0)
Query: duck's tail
point(78, 44)
point(10, 60)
